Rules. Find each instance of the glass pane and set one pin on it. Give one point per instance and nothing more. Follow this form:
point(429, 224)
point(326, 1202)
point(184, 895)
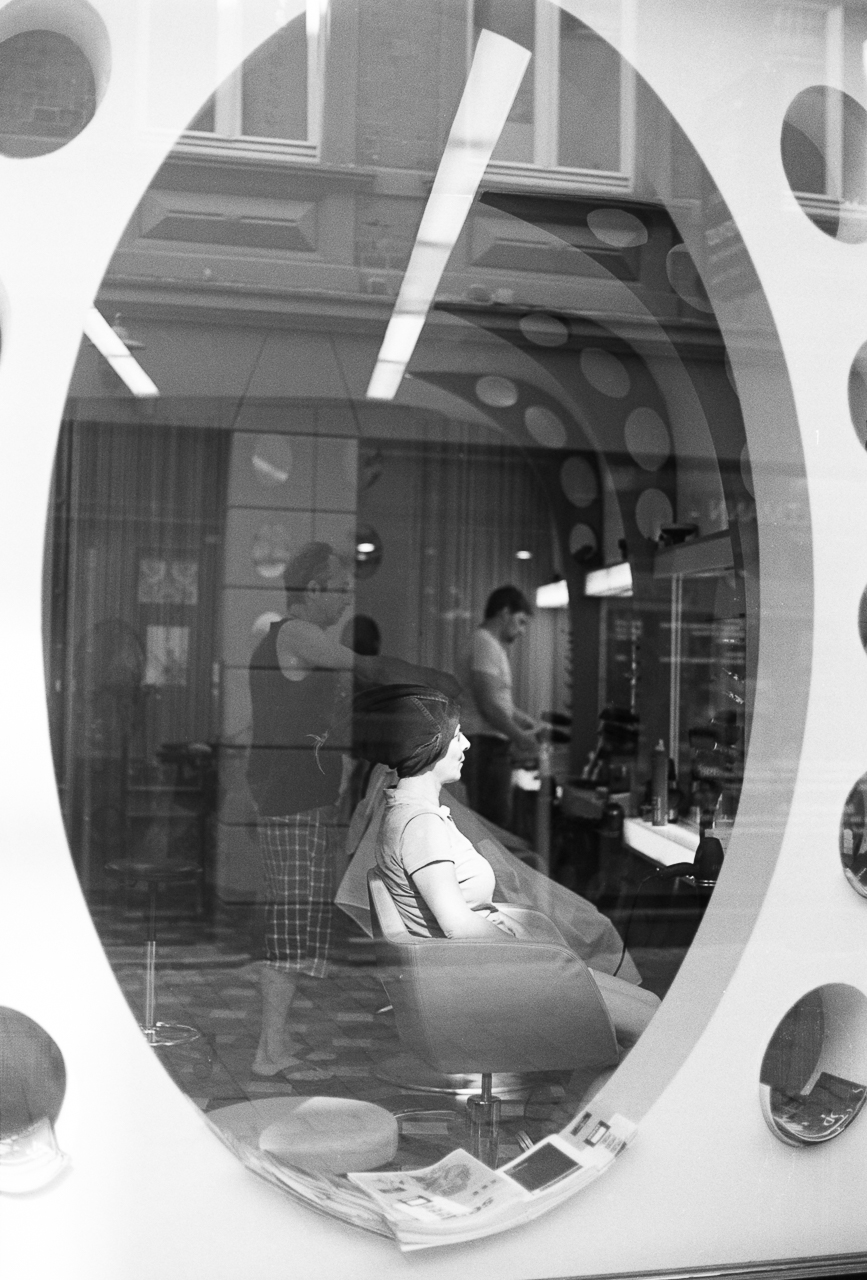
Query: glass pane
point(709, 675)
point(546, 525)
point(275, 86)
point(515, 22)
point(589, 99)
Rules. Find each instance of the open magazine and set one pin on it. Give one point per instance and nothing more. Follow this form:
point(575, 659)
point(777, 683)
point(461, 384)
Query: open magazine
point(458, 1198)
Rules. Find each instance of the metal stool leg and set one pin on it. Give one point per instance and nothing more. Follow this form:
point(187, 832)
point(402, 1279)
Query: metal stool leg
point(484, 1114)
point(151, 965)
point(159, 1034)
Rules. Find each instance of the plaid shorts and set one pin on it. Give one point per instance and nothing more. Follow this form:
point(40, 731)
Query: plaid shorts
point(299, 888)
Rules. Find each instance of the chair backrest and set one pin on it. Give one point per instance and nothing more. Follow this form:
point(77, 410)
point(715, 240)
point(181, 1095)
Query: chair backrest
point(384, 916)
point(478, 1004)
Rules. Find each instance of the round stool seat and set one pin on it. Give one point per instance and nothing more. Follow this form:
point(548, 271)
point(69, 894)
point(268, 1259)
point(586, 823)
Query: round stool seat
point(332, 1135)
point(322, 1135)
point(140, 869)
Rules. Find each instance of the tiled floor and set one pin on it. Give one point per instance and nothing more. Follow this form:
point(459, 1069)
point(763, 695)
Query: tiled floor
point(208, 978)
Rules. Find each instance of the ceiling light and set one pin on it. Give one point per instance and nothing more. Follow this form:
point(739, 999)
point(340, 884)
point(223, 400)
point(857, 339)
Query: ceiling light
point(495, 76)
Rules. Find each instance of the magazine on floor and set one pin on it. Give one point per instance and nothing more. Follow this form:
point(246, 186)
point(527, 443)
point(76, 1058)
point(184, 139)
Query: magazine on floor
point(459, 1198)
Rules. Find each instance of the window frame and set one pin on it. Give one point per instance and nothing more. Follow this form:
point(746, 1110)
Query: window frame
point(544, 170)
point(827, 203)
point(227, 138)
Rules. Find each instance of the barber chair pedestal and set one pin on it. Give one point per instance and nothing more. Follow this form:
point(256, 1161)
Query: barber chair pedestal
point(484, 1111)
point(415, 1075)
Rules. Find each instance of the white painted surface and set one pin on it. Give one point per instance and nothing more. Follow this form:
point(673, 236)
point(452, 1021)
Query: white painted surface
point(150, 1192)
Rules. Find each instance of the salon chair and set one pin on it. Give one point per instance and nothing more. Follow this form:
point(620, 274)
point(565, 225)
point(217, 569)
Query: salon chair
point(477, 1007)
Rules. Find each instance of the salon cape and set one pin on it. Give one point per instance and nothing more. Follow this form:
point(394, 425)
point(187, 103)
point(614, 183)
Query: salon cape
point(586, 931)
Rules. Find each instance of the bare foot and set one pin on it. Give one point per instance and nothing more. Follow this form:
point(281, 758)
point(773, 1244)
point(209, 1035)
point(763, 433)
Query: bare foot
point(276, 1049)
point(265, 1064)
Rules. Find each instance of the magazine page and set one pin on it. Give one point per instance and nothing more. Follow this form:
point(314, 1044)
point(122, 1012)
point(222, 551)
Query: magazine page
point(459, 1198)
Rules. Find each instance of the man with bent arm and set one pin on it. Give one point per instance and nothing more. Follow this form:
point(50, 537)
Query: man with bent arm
point(496, 728)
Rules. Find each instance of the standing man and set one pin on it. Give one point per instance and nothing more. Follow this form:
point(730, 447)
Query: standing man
point(300, 676)
point(494, 725)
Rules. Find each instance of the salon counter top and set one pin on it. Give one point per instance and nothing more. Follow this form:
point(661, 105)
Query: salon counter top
point(666, 845)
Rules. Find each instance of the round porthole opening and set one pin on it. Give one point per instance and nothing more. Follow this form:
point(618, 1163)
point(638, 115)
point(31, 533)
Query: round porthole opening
point(853, 832)
point(813, 1079)
point(823, 152)
point(48, 93)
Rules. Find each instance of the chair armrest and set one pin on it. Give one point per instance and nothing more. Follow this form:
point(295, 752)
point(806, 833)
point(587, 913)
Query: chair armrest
point(539, 926)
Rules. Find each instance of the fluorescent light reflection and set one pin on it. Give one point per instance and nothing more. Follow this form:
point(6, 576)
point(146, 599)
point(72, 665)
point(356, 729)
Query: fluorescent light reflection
point(316, 17)
point(616, 580)
point(385, 380)
point(495, 77)
point(552, 595)
point(118, 355)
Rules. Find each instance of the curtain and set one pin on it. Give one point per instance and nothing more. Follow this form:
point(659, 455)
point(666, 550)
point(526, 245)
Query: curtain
point(480, 506)
point(134, 541)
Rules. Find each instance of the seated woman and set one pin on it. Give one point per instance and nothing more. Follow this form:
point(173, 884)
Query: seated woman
point(441, 885)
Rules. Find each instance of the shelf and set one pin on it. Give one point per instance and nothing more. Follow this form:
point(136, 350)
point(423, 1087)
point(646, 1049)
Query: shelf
point(712, 554)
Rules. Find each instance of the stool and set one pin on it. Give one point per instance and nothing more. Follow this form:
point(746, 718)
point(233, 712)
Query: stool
point(131, 871)
point(321, 1135)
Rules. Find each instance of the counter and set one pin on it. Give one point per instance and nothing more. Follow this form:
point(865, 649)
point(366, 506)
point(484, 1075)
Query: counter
point(665, 845)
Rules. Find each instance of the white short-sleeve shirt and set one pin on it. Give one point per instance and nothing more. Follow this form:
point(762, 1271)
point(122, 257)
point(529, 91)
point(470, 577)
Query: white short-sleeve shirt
point(485, 654)
point(399, 856)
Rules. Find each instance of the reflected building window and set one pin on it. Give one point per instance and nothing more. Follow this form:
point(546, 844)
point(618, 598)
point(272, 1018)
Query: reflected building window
point(276, 95)
point(48, 93)
point(575, 107)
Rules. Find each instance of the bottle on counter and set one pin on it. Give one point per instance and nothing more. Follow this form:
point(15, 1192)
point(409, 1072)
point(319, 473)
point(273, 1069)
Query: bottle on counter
point(659, 785)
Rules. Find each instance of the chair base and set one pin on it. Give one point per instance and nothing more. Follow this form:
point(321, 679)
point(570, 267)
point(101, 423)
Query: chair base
point(163, 1034)
point(411, 1073)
